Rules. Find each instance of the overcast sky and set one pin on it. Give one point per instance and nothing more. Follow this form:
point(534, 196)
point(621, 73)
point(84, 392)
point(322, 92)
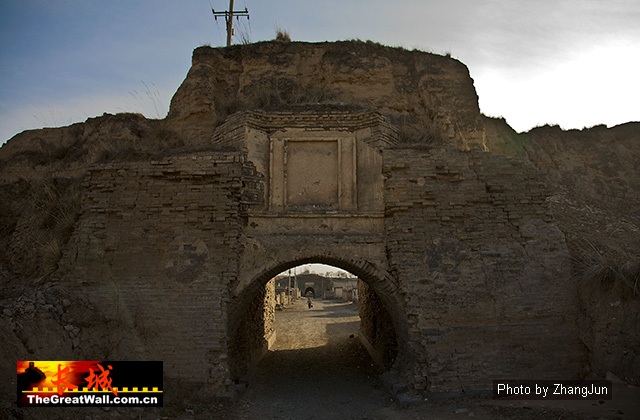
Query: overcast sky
point(569, 62)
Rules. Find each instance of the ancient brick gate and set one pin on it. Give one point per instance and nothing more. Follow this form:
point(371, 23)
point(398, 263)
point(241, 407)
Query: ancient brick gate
point(459, 248)
point(322, 202)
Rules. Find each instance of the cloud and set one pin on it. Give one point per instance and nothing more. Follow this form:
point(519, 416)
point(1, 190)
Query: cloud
point(594, 86)
point(56, 56)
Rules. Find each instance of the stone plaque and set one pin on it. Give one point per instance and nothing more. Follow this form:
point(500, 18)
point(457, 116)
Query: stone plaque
point(313, 174)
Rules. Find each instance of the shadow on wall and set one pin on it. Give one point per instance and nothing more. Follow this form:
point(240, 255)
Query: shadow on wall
point(376, 327)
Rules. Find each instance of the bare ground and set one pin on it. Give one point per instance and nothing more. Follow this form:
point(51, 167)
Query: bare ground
point(319, 370)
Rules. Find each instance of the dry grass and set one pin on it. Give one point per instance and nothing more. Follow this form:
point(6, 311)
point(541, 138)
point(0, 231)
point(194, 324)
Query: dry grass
point(610, 266)
point(150, 100)
point(278, 94)
point(59, 206)
point(51, 254)
point(428, 136)
point(603, 239)
point(282, 35)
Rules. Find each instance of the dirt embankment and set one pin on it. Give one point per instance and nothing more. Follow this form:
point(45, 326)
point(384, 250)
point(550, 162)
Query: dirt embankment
point(413, 89)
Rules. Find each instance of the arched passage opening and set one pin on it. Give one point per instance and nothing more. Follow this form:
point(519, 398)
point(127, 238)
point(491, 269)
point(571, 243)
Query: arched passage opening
point(363, 301)
point(309, 292)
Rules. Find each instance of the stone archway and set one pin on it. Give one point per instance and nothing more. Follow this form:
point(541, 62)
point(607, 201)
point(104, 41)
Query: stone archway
point(309, 292)
point(249, 339)
point(315, 194)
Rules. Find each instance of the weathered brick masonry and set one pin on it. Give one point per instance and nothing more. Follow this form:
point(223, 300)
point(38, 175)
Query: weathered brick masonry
point(483, 268)
point(475, 277)
point(155, 252)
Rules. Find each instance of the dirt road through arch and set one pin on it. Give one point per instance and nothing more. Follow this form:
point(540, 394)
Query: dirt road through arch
point(317, 369)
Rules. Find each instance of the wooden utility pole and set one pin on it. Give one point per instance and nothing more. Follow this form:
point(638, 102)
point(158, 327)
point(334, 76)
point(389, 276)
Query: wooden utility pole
point(228, 17)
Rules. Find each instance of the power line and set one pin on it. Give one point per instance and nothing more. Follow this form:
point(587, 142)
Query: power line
point(228, 17)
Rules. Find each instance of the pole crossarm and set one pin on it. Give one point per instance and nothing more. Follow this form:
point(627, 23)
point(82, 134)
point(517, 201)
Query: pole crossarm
point(228, 18)
point(236, 13)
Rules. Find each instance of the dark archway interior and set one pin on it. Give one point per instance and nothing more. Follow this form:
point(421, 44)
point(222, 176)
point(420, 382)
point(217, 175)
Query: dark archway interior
point(376, 326)
point(251, 330)
point(309, 292)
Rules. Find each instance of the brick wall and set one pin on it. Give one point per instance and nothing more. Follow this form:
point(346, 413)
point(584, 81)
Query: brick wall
point(250, 340)
point(473, 255)
point(154, 252)
point(376, 326)
point(483, 267)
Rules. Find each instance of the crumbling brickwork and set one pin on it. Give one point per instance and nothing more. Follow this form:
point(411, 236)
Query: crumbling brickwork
point(483, 267)
point(376, 327)
point(249, 342)
point(154, 252)
point(466, 260)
